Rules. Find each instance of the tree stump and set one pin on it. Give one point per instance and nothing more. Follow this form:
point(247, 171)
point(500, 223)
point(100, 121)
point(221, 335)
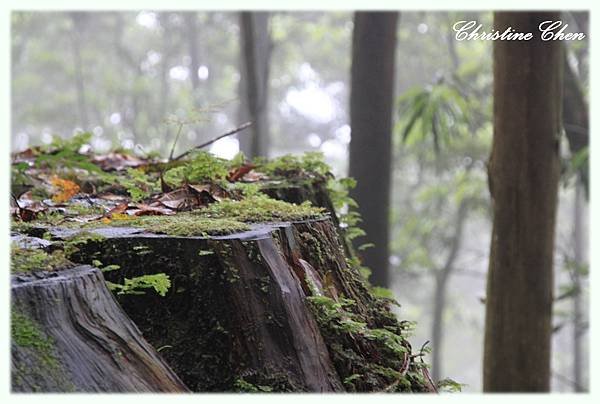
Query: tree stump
point(276, 308)
point(69, 334)
point(263, 295)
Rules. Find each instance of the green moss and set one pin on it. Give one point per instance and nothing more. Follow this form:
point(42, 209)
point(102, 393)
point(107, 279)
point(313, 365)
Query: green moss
point(73, 244)
point(201, 168)
point(27, 260)
point(25, 333)
point(83, 209)
point(290, 165)
point(342, 326)
point(261, 208)
point(187, 225)
point(243, 386)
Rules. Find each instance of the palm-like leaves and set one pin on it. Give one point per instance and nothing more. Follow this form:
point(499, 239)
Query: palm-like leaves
point(436, 110)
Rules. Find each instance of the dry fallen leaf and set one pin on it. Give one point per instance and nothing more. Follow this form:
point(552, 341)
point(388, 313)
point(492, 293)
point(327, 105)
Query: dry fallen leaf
point(120, 208)
point(147, 210)
point(117, 161)
point(67, 189)
point(239, 172)
point(253, 176)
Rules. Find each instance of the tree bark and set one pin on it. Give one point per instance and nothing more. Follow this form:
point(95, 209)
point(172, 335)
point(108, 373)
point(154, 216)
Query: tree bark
point(69, 334)
point(371, 103)
point(256, 47)
point(523, 180)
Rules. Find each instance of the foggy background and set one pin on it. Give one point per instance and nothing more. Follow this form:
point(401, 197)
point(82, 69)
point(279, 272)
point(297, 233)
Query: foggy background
point(120, 75)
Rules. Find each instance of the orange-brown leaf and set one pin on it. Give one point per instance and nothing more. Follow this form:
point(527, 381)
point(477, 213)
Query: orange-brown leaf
point(239, 172)
point(67, 189)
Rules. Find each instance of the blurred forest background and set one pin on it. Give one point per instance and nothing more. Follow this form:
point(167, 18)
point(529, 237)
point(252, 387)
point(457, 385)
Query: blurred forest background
point(132, 78)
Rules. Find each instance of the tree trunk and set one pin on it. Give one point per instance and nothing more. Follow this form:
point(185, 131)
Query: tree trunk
point(190, 20)
point(78, 23)
point(69, 334)
point(576, 119)
point(165, 84)
point(578, 242)
point(371, 103)
point(442, 278)
point(523, 180)
point(255, 58)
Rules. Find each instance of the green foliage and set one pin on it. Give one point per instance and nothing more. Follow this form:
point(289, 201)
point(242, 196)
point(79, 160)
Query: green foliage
point(139, 185)
point(98, 264)
point(449, 386)
point(18, 175)
point(135, 286)
point(243, 386)
point(202, 167)
point(292, 165)
point(435, 110)
point(237, 161)
point(64, 153)
point(247, 189)
point(577, 164)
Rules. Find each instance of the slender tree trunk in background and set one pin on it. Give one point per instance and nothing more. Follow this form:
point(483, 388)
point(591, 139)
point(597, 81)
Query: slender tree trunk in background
point(523, 180)
point(576, 118)
point(256, 47)
point(437, 327)
point(78, 24)
point(578, 241)
point(165, 86)
point(129, 118)
point(191, 26)
point(442, 279)
point(371, 104)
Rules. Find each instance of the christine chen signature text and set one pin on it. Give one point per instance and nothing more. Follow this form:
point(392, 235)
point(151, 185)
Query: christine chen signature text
point(548, 31)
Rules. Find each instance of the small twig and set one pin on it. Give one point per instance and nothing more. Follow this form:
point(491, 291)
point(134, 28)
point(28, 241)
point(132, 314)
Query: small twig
point(175, 142)
point(231, 132)
point(16, 200)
